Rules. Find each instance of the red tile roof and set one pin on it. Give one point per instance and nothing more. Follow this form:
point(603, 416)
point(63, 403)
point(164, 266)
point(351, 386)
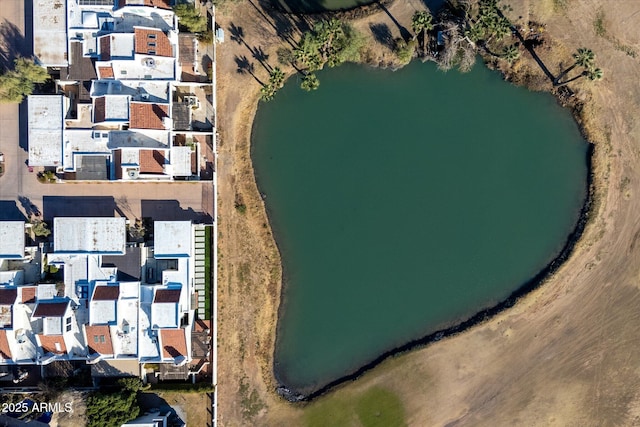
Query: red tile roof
point(51, 309)
point(99, 110)
point(117, 160)
point(105, 48)
point(105, 72)
point(145, 115)
point(99, 339)
point(151, 161)
point(5, 351)
point(48, 343)
point(8, 296)
point(28, 294)
point(174, 343)
point(152, 42)
point(106, 293)
point(167, 295)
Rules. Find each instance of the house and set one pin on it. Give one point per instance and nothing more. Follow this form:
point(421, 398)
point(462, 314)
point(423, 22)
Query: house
point(119, 78)
point(99, 315)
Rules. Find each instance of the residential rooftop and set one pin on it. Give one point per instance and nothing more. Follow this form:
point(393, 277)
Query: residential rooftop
point(50, 32)
point(12, 238)
point(45, 128)
point(172, 239)
point(89, 235)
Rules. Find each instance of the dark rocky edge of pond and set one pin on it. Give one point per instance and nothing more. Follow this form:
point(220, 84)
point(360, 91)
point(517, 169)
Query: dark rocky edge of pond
point(352, 13)
point(292, 395)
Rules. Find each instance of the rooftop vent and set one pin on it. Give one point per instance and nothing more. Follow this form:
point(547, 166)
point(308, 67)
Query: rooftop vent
point(149, 62)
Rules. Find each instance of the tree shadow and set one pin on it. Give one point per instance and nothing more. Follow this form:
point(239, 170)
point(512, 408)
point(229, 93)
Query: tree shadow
point(236, 33)
point(29, 208)
point(261, 56)
point(246, 67)
point(14, 44)
point(285, 24)
point(404, 33)
point(382, 34)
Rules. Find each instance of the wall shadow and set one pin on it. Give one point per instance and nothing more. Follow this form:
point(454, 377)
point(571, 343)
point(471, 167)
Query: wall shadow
point(170, 210)
point(90, 206)
point(9, 211)
point(151, 402)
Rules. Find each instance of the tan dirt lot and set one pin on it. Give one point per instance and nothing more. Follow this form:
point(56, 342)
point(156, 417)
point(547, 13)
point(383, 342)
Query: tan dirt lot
point(567, 354)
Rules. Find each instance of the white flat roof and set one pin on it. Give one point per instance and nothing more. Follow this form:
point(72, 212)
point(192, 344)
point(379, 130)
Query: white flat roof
point(12, 239)
point(102, 312)
point(172, 239)
point(164, 315)
point(122, 45)
point(116, 107)
point(89, 235)
point(141, 68)
point(50, 32)
point(45, 118)
point(143, 138)
point(85, 141)
point(129, 17)
point(181, 161)
point(138, 90)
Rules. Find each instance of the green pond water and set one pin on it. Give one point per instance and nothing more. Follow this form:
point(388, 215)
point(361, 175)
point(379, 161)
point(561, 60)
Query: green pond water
point(404, 202)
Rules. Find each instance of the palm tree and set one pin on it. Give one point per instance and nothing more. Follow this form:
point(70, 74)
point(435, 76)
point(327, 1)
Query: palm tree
point(276, 78)
point(267, 92)
point(421, 22)
point(583, 57)
point(510, 53)
point(594, 74)
point(310, 82)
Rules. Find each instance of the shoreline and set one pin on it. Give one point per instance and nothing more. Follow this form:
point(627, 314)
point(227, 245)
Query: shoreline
point(583, 238)
point(483, 315)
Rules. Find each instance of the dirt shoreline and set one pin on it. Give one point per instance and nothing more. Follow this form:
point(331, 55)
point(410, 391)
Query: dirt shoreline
point(555, 336)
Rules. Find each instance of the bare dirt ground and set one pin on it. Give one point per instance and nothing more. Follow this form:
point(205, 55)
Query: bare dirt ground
point(567, 354)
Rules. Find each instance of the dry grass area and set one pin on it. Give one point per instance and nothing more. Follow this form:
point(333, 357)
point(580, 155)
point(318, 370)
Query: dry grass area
point(566, 354)
point(75, 418)
point(194, 405)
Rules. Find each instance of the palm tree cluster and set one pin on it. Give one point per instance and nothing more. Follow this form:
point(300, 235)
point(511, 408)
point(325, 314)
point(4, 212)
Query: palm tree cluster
point(276, 81)
point(421, 23)
point(584, 58)
point(510, 53)
point(331, 42)
point(489, 23)
point(310, 82)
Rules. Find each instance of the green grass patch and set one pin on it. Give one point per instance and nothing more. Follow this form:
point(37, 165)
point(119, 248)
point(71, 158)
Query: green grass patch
point(330, 411)
point(598, 24)
point(379, 407)
point(376, 407)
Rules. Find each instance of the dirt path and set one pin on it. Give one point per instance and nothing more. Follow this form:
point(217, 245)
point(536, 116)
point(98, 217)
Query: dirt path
point(564, 355)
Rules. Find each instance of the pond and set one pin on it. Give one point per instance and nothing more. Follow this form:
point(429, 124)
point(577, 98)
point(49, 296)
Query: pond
point(405, 202)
